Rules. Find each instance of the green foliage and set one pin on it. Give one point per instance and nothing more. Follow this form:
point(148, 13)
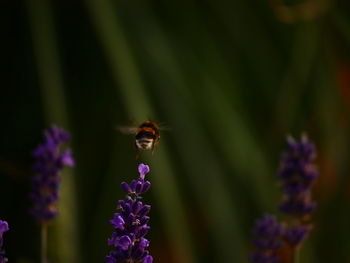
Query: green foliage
point(230, 78)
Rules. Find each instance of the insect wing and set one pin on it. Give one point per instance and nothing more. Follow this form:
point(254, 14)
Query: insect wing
point(127, 129)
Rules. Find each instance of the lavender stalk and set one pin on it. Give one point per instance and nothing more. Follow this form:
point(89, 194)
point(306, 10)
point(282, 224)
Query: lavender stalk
point(50, 159)
point(297, 174)
point(130, 224)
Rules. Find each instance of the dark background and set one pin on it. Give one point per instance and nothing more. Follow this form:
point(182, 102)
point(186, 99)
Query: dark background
point(230, 78)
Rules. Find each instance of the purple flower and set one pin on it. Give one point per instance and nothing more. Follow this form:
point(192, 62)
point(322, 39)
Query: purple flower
point(267, 239)
point(3, 228)
point(130, 224)
point(297, 174)
point(148, 259)
point(143, 170)
point(296, 235)
point(49, 161)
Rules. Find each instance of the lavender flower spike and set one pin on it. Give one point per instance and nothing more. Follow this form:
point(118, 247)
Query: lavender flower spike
point(50, 160)
point(297, 174)
point(267, 239)
point(130, 224)
point(3, 228)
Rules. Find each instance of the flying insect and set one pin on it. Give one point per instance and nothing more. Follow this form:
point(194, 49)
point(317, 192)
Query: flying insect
point(147, 135)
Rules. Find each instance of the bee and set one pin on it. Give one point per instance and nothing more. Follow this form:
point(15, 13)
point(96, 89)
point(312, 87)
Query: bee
point(147, 135)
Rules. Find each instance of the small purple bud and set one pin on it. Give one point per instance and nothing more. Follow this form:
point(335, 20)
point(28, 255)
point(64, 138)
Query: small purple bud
point(130, 219)
point(133, 185)
point(138, 187)
point(3, 227)
point(146, 186)
point(125, 207)
point(117, 221)
point(113, 240)
point(144, 220)
point(144, 210)
point(110, 259)
point(125, 187)
point(148, 259)
point(67, 158)
point(137, 206)
point(144, 242)
point(121, 204)
point(143, 170)
point(124, 242)
point(143, 231)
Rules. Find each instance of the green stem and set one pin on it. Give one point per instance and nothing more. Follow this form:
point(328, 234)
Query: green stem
point(43, 243)
point(296, 255)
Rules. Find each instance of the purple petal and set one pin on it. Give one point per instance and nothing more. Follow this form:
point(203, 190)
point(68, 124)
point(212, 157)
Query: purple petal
point(110, 259)
point(143, 242)
point(143, 170)
point(138, 187)
point(118, 221)
point(146, 186)
point(124, 242)
point(67, 158)
point(144, 210)
point(148, 259)
point(125, 187)
point(3, 227)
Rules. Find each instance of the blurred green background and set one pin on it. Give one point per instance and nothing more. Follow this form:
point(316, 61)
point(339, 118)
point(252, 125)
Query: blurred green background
point(231, 79)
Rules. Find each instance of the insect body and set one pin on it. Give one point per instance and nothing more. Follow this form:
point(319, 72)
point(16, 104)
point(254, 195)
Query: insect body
point(147, 136)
